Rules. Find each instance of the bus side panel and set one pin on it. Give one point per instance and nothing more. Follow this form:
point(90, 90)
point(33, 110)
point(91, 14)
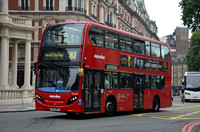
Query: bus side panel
point(124, 99)
point(148, 99)
point(167, 93)
point(149, 96)
point(103, 101)
point(164, 95)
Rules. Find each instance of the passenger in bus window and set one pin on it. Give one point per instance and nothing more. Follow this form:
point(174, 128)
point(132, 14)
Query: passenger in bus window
point(141, 64)
point(127, 85)
point(156, 85)
point(93, 40)
point(107, 83)
point(134, 63)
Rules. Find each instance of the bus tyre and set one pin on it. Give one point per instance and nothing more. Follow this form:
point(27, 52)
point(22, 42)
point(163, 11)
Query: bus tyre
point(110, 107)
point(156, 104)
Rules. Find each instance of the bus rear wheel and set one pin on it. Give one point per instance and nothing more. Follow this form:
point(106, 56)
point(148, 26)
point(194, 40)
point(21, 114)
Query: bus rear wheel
point(156, 104)
point(110, 107)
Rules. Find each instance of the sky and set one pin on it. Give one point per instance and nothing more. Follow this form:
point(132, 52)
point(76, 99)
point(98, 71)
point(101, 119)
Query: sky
point(166, 13)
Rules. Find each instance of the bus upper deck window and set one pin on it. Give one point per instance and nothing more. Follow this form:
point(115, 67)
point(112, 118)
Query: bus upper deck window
point(165, 52)
point(96, 36)
point(155, 50)
point(138, 47)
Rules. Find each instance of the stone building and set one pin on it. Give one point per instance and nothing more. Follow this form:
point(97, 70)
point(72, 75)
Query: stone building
point(31, 17)
point(13, 30)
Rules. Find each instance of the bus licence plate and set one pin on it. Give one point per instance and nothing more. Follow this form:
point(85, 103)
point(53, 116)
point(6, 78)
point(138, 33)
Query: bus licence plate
point(54, 109)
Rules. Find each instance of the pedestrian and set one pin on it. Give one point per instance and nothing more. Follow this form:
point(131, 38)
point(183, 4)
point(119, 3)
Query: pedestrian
point(182, 93)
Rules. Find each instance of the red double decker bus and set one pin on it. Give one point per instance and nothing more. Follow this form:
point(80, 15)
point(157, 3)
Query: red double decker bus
point(86, 67)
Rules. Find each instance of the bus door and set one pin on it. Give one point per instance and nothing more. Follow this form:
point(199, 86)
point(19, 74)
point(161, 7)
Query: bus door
point(92, 90)
point(138, 91)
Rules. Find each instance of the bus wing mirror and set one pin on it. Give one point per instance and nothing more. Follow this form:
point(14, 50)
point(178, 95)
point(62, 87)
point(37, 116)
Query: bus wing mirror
point(81, 72)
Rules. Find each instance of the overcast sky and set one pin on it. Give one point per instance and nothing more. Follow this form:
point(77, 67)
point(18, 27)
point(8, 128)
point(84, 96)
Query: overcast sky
point(166, 13)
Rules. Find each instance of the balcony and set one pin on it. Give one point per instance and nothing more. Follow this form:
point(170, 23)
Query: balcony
point(69, 8)
point(77, 9)
point(48, 8)
point(15, 21)
point(23, 8)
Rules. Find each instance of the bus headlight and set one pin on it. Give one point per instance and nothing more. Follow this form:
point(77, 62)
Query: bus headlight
point(72, 100)
point(39, 98)
point(187, 93)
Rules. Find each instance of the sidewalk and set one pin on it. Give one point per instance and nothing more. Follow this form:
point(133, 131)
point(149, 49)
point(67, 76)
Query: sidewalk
point(17, 107)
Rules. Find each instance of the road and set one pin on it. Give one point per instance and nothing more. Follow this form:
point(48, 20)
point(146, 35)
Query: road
point(172, 119)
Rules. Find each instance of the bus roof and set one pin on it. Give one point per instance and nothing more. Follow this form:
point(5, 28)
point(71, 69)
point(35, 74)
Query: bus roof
point(193, 73)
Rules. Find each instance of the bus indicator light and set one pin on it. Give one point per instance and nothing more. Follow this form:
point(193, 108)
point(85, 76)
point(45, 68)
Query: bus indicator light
point(79, 102)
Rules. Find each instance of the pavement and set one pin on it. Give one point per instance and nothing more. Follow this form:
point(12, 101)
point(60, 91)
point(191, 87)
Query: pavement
point(17, 107)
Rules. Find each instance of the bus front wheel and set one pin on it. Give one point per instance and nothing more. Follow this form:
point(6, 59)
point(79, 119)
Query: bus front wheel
point(110, 107)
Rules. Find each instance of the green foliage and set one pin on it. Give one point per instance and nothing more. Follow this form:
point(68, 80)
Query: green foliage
point(193, 55)
point(190, 13)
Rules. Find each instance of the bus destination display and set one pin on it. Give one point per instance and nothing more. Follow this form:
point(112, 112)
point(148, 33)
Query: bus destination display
point(61, 55)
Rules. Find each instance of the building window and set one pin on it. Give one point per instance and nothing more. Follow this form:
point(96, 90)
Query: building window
point(70, 5)
point(21, 53)
point(24, 5)
point(77, 5)
point(93, 10)
point(49, 5)
point(175, 74)
point(106, 16)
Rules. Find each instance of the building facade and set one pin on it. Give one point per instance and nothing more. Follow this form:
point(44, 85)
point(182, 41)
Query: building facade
point(12, 31)
point(127, 15)
point(179, 46)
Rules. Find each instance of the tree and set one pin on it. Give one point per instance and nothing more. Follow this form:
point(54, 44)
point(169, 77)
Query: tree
point(190, 13)
point(193, 55)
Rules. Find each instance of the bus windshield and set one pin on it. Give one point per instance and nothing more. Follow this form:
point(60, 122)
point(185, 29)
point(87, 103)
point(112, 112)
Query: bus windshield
point(193, 83)
point(57, 78)
point(63, 34)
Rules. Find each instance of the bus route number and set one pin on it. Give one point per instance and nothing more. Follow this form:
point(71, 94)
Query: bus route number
point(73, 55)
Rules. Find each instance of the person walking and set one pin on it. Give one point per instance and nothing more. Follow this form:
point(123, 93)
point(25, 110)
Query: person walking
point(182, 93)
